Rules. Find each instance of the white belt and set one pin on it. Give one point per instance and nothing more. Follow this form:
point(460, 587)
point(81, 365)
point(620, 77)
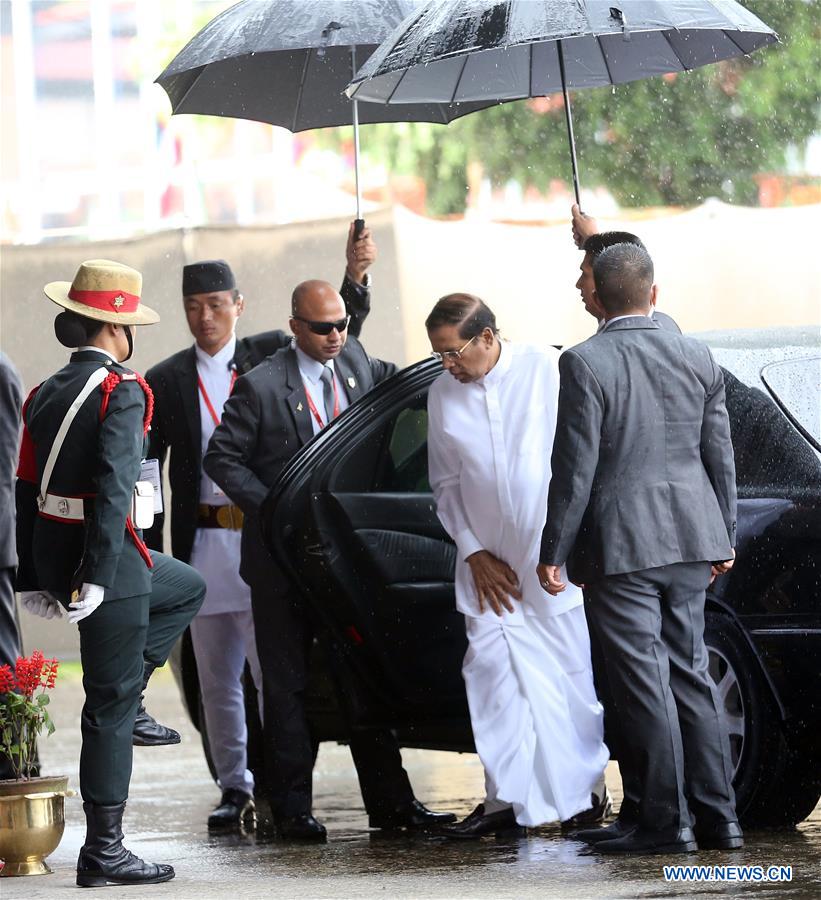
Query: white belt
point(66, 509)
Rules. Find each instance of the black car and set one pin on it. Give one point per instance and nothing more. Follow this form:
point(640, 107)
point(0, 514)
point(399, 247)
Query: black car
point(352, 519)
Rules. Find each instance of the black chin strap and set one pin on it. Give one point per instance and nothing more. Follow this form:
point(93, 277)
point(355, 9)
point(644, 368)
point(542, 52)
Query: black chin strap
point(130, 339)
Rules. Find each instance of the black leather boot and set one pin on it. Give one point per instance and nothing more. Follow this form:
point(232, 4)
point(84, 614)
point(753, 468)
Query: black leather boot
point(147, 730)
point(103, 859)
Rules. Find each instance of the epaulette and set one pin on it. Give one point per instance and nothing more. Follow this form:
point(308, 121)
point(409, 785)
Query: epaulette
point(113, 379)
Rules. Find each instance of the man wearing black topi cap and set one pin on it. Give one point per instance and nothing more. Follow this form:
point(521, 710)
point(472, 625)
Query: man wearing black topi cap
point(190, 389)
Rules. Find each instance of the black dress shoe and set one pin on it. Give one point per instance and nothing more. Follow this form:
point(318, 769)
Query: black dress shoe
point(720, 836)
point(600, 809)
point(412, 814)
point(236, 809)
point(300, 828)
point(147, 730)
point(478, 824)
point(618, 829)
point(641, 842)
point(149, 733)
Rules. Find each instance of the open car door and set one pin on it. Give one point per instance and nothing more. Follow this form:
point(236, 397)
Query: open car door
point(352, 519)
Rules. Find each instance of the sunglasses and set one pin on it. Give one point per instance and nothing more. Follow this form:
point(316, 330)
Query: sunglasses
point(325, 328)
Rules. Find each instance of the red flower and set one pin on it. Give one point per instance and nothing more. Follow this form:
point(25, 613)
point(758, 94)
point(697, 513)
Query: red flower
point(28, 673)
point(7, 680)
point(49, 673)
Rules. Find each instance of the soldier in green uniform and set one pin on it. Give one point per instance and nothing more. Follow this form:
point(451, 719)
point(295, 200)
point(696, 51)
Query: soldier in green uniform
point(80, 544)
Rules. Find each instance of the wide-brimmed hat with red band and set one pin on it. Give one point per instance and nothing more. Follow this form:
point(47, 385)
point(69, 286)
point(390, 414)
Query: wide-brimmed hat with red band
point(104, 290)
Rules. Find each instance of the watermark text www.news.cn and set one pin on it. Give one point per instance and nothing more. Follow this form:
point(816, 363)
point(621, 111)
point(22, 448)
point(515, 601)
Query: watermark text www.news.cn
point(728, 873)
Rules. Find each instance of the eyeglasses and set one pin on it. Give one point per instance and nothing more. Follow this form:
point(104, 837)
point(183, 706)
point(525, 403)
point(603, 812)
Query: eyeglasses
point(325, 327)
point(452, 355)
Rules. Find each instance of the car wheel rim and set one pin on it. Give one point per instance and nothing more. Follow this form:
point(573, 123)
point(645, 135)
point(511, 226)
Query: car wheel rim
point(729, 694)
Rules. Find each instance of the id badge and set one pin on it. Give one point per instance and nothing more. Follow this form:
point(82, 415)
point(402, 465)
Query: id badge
point(150, 471)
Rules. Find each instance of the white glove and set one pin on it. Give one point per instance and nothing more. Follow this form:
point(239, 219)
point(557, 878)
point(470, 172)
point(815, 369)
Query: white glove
point(41, 603)
point(91, 596)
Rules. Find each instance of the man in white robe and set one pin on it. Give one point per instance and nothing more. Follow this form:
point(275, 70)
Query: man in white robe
point(537, 723)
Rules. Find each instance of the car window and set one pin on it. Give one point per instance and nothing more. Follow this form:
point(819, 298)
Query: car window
point(772, 459)
point(406, 468)
point(796, 385)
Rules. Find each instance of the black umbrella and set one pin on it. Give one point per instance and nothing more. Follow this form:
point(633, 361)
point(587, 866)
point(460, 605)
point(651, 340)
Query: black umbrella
point(469, 51)
point(287, 62)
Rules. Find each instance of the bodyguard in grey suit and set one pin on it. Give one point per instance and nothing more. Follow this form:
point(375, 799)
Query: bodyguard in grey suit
point(11, 400)
point(275, 409)
point(641, 506)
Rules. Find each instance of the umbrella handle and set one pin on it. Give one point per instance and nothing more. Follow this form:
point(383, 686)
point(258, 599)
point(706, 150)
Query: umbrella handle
point(358, 228)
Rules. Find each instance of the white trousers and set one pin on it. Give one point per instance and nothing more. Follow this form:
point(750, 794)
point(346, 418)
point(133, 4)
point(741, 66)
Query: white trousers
point(222, 643)
point(536, 721)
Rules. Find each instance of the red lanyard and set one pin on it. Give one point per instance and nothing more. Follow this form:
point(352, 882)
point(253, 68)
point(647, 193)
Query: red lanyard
point(207, 399)
point(315, 411)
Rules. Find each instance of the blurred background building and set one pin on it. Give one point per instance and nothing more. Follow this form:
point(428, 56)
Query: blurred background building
point(88, 149)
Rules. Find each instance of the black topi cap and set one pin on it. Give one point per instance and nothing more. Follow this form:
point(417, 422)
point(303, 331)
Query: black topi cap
point(206, 277)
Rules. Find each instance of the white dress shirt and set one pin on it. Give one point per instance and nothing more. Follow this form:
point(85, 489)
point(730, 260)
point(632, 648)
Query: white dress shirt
point(216, 551)
point(489, 447)
point(311, 371)
point(216, 376)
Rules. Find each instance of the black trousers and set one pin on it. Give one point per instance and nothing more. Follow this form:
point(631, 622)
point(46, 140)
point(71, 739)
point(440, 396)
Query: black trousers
point(9, 641)
point(650, 628)
point(284, 635)
point(116, 641)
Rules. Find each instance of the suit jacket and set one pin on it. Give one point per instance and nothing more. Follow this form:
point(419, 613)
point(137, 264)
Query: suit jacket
point(643, 471)
point(264, 423)
point(11, 401)
point(99, 459)
point(176, 424)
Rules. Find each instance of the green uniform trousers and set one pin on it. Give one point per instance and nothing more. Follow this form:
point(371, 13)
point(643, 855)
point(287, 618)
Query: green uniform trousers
point(116, 641)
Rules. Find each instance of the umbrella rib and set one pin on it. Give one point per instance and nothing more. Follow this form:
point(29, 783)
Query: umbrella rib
point(604, 59)
point(458, 79)
point(675, 52)
point(727, 34)
point(299, 92)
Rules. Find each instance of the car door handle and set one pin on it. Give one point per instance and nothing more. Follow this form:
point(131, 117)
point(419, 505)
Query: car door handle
point(315, 550)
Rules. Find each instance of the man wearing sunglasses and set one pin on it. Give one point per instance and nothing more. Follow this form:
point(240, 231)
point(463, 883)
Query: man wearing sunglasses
point(190, 389)
point(275, 409)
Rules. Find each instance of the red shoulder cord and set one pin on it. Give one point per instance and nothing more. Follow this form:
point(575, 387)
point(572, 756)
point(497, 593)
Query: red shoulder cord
point(27, 462)
point(107, 386)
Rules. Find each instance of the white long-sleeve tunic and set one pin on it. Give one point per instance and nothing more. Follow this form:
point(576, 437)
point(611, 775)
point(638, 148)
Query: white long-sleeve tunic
point(489, 447)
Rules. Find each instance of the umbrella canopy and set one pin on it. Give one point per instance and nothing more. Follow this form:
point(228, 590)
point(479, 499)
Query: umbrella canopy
point(469, 51)
point(287, 62)
point(463, 51)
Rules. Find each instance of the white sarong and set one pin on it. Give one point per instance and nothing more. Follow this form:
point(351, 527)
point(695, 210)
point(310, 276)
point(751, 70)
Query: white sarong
point(536, 721)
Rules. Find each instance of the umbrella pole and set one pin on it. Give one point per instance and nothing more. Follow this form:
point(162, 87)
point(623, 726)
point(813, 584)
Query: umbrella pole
point(359, 223)
point(569, 118)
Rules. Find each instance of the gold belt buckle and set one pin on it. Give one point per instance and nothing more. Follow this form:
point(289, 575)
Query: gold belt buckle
point(229, 516)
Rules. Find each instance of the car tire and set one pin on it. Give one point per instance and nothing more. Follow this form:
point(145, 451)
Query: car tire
point(776, 781)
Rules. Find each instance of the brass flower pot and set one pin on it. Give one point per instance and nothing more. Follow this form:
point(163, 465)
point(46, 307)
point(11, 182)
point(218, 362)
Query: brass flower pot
point(31, 823)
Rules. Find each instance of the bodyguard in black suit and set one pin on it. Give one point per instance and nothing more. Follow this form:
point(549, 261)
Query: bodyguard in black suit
point(78, 543)
point(273, 411)
point(642, 501)
point(190, 389)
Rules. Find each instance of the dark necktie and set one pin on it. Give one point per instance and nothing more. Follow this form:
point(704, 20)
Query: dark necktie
point(328, 392)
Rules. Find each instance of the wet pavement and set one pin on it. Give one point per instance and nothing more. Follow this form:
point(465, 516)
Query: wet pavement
point(172, 794)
